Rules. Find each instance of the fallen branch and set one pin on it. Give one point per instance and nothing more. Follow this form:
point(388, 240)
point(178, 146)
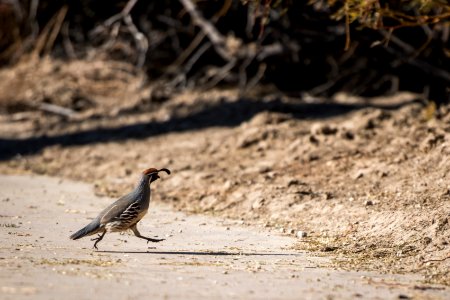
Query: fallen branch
point(56, 109)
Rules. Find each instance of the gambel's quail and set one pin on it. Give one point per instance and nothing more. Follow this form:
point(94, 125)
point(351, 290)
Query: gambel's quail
point(125, 213)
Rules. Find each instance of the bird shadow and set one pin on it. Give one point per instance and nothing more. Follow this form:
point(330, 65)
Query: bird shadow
point(201, 253)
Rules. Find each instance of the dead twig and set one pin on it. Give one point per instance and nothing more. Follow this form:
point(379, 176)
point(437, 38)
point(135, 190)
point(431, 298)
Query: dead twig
point(243, 71)
point(180, 79)
point(139, 38)
point(125, 12)
point(436, 260)
point(216, 38)
point(230, 48)
point(410, 50)
point(347, 27)
point(269, 50)
point(113, 24)
point(255, 79)
point(46, 39)
point(194, 58)
point(56, 109)
point(188, 51)
point(67, 44)
point(221, 74)
point(197, 41)
point(56, 29)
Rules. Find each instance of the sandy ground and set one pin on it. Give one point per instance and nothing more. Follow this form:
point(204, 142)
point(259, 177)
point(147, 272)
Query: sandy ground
point(367, 179)
point(202, 257)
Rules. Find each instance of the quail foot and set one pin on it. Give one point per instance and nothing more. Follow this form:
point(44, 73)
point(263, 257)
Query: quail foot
point(124, 213)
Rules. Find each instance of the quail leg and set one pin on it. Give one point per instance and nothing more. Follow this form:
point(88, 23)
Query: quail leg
point(138, 234)
point(98, 239)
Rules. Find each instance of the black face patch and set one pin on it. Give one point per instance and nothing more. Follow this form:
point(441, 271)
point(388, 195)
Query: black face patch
point(154, 177)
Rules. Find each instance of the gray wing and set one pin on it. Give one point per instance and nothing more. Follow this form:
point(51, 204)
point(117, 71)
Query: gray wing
point(115, 210)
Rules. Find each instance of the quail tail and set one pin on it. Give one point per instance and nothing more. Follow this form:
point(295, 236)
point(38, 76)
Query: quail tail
point(87, 230)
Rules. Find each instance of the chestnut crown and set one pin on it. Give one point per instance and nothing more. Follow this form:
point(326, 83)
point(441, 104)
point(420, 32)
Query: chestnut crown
point(151, 171)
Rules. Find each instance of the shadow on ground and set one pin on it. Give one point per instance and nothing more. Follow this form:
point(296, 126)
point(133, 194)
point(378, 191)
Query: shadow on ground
point(196, 253)
point(224, 114)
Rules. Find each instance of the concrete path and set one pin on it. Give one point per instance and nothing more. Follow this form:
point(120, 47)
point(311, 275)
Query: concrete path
point(201, 258)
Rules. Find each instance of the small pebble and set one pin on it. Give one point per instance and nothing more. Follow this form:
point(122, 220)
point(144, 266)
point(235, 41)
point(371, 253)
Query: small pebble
point(368, 203)
point(359, 175)
point(302, 234)
point(313, 139)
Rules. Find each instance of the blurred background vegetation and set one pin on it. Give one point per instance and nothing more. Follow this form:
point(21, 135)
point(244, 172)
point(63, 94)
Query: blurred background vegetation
point(318, 47)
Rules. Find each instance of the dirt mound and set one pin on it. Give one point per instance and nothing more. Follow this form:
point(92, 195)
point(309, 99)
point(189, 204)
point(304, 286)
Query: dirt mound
point(79, 86)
